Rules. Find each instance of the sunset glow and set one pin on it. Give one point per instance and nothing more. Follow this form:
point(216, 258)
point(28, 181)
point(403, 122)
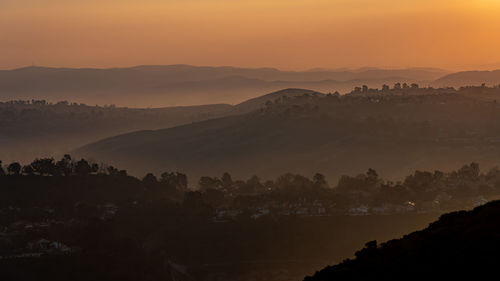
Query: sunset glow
point(292, 34)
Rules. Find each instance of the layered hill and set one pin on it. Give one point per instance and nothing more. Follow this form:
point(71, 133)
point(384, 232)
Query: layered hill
point(147, 86)
point(36, 128)
point(459, 245)
point(394, 134)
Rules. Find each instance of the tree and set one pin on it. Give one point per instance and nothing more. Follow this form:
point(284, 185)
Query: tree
point(28, 170)
point(44, 166)
point(397, 86)
point(83, 168)
point(227, 181)
point(150, 180)
point(14, 169)
point(214, 197)
point(176, 180)
point(319, 180)
point(385, 88)
point(2, 172)
point(209, 183)
point(64, 166)
point(94, 168)
point(469, 172)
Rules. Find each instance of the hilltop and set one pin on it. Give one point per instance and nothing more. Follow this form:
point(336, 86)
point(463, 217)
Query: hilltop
point(394, 133)
point(38, 128)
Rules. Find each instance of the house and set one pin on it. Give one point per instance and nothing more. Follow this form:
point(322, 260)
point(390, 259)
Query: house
point(359, 211)
point(383, 209)
point(478, 201)
point(260, 212)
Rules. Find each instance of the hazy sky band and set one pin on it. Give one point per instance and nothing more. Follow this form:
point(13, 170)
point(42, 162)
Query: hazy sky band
point(292, 34)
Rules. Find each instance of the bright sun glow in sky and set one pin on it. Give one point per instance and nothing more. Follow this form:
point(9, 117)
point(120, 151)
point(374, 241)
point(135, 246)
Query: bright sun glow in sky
point(289, 34)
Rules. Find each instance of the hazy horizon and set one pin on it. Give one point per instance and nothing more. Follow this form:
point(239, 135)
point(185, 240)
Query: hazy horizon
point(289, 35)
point(480, 67)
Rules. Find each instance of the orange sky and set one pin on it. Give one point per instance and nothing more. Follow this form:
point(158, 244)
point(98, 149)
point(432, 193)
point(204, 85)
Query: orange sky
point(288, 34)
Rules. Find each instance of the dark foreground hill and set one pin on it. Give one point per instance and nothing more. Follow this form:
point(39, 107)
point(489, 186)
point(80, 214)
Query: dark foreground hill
point(74, 220)
point(459, 245)
point(392, 133)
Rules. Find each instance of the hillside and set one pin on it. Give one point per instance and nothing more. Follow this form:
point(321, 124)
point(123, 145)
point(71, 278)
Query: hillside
point(394, 134)
point(469, 78)
point(147, 86)
point(258, 102)
point(459, 245)
point(37, 128)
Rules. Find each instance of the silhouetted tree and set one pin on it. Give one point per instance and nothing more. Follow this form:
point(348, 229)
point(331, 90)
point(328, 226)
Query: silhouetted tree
point(2, 172)
point(150, 180)
point(112, 171)
point(372, 176)
point(209, 183)
point(64, 166)
point(83, 167)
point(44, 166)
point(28, 170)
point(320, 180)
point(214, 197)
point(14, 169)
point(227, 181)
point(94, 168)
point(175, 180)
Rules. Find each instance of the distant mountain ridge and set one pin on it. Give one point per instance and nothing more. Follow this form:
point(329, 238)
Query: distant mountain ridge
point(153, 86)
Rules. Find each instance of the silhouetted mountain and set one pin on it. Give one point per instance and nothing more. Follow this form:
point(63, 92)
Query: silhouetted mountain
point(334, 135)
point(468, 78)
point(459, 245)
point(144, 86)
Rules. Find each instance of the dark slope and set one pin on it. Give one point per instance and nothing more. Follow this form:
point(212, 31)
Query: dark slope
point(147, 86)
point(36, 130)
point(459, 245)
point(30, 130)
point(331, 135)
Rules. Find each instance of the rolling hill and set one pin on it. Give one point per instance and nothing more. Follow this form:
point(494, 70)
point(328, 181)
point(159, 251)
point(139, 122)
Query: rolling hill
point(37, 128)
point(333, 135)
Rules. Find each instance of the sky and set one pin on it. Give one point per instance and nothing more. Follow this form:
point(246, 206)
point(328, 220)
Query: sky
point(287, 34)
